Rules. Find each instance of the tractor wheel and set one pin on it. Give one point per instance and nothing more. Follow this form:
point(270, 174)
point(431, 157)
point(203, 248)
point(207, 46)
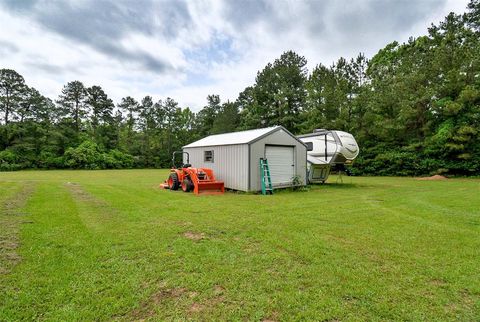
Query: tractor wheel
point(173, 181)
point(187, 185)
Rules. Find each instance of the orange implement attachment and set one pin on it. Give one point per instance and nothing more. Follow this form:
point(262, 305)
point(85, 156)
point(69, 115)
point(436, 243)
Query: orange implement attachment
point(210, 188)
point(204, 181)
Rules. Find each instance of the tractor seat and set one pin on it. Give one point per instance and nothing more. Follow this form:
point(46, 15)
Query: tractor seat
point(186, 165)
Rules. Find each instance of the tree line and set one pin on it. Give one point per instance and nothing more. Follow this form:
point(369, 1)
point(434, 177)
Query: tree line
point(414, 109)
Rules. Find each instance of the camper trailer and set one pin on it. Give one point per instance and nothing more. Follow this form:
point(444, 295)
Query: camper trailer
point(328, 149)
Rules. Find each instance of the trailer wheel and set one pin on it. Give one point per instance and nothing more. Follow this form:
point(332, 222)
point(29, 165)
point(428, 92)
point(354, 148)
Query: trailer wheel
point(173, 181)
point(187, 185)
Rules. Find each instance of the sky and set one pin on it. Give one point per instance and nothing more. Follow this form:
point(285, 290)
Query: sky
point(187, 50)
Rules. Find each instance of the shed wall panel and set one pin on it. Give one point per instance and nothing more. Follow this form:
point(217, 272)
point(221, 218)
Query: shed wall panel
point(230, 163)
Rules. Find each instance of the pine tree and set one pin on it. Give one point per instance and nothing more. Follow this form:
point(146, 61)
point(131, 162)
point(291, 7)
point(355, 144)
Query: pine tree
point(72, 103)
point(12, 88)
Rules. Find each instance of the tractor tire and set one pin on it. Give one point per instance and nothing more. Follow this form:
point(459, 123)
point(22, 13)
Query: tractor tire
point(173, 183)
point(187, 185)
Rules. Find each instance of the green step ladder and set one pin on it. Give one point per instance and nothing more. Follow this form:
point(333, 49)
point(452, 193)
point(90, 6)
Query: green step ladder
point(266, 180)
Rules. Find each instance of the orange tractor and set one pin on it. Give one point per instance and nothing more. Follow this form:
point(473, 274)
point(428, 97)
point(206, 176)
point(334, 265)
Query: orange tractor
point(198, 180)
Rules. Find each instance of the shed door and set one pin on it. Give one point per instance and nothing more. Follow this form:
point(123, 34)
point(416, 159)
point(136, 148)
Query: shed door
point(281, 163)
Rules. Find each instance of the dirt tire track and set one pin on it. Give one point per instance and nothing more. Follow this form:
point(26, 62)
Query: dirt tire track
point(12, 215)
point(96, 214)
point(79, 194)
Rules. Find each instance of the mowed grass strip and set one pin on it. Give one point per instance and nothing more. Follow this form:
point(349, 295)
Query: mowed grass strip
point(110, 245)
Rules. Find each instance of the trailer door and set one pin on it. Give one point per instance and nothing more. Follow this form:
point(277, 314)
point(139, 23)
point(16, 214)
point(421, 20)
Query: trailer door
point(281, 161)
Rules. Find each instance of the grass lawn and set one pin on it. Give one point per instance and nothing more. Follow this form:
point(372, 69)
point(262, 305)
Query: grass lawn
point(110, 245)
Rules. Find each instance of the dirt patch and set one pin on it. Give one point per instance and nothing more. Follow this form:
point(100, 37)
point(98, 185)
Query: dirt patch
point(147, 308)
point(467, 298)
point(195, 308)
point(438, 282)
point(205, 306)
point(190, 300)
point(218, 289)
point(466, 301)
point(274, 317)
point(167, 293)
point(194, 236)
point(11, 216)
point(192, 294)
point(432, 178)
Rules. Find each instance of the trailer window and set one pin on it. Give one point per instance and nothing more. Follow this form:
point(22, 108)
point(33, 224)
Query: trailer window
point(208, 156)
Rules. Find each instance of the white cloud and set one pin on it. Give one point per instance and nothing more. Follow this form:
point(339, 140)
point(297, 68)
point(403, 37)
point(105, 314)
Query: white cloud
point(187, 50)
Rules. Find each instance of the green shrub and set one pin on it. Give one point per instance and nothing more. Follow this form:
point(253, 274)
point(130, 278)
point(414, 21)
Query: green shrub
point(116, 159)
point(89, 156)
point(9, 161)
point(86, 156)
point(7, 156)
point(49, 160)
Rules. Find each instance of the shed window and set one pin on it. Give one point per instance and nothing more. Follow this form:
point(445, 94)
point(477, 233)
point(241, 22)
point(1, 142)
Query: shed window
point(309, 146)
point(208, 156)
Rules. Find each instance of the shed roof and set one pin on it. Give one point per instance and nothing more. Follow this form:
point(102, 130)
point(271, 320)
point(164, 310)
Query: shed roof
point(242, 137)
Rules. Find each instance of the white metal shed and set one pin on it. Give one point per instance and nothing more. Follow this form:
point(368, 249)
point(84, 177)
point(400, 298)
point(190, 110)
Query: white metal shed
point(235, 157)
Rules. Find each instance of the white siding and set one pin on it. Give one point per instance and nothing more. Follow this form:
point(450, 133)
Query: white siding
point(230, 163)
